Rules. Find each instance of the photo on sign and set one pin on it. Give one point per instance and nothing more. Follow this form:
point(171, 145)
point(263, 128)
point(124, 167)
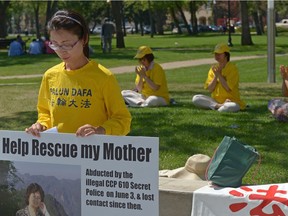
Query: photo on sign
point(58, 186)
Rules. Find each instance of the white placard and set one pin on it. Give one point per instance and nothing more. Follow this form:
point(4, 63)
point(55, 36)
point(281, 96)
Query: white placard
point(256, 200)
point(118, 174)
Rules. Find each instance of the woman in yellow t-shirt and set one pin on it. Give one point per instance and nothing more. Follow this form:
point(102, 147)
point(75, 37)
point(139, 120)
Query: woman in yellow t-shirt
point(78, 95)
point(223, 83)
point(150, 83)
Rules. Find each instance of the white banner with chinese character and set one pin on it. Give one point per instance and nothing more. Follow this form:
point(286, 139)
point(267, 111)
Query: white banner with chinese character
point(256, 200)
point(94, 175)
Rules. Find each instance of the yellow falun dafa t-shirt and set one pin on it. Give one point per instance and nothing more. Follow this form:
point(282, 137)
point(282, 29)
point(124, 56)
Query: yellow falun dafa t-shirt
point(90, 95)
point(231, 75)
point(157, 75)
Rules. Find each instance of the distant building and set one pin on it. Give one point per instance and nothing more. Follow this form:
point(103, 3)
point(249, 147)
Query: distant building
point(204, 15)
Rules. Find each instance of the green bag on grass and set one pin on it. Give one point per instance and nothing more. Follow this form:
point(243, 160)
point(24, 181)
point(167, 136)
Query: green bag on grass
point(230, 162)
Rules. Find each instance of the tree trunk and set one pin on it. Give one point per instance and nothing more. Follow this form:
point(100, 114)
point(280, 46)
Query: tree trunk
point(257, 23)
point(117, 12)
point(261, 22)
point(36, 14)
point(183, 17)
point(193, 10)
point(160, 21)
point(176, 22)
point(140, 14)
point(246, 35)
point(3, 29)
point(8, 179)
point(151, 20)
point(50, 10)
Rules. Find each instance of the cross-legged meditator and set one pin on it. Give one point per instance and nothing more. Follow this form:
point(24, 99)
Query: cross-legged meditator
point(150, 84)
point(223, 84)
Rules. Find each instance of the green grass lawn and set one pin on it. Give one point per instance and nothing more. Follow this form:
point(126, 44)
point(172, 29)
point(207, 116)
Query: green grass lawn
point(166, 48)
point(183, 129)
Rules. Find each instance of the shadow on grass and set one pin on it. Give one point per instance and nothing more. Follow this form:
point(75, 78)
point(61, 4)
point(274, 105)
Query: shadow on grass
point(24, 59)
point(261, 93)
point(18, 120)
point(184, 129)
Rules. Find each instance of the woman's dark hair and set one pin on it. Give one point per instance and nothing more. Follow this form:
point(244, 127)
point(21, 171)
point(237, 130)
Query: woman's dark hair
point(227, 54)
point(33, 188)
point(149, 57)
point(73, 22)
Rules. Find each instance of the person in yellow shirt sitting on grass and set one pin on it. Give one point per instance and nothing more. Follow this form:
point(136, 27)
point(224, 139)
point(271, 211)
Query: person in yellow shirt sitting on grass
point(78, 95)
point(223, 83)
point(151, 88)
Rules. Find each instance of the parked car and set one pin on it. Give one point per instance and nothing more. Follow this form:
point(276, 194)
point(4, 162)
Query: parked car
point(183, 28)
point(238, 25)
point(281, 26)
point(129, 29)
point(215, 28)
point(203, 28)
point(96, 30)
point(147, 29)
point(283, 23)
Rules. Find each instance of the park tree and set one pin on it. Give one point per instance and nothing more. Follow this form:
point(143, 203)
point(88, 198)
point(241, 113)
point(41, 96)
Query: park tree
point(8, 179)
point(174, 13)
point(92, 11)
point(51, 7)
point(133, 11)
point(144, 13)
point(175, 19)
point(159, 10)
point(246, 38)
point(281, 8)
point(220, 11)
point(17, 10)
point(117, 11)
point(3, 18)
point(258, 12)
point(36, 9)
point(281, 11)
point(21, 11)
point(98, 11)
point(137, 12)
point(32, 13)
point(180, 6)
point(193, 7)
point(151, 18)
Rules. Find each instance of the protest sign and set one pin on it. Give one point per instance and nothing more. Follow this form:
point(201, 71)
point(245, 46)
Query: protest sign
point(116, 175)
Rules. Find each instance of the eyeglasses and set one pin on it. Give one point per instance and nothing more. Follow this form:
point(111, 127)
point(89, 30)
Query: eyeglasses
point(62, 47)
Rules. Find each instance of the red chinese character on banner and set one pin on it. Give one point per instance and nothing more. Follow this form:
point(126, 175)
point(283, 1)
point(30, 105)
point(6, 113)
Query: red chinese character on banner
point(267, 196)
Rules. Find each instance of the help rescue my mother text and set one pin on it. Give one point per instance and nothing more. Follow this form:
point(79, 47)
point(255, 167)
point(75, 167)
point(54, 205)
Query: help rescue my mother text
point(110, 151)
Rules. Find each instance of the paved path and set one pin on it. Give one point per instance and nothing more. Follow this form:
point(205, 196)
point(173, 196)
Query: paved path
point(181, 64)
point(168, 65)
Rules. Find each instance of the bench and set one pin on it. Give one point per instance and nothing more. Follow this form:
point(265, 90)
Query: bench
point(4, 43)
